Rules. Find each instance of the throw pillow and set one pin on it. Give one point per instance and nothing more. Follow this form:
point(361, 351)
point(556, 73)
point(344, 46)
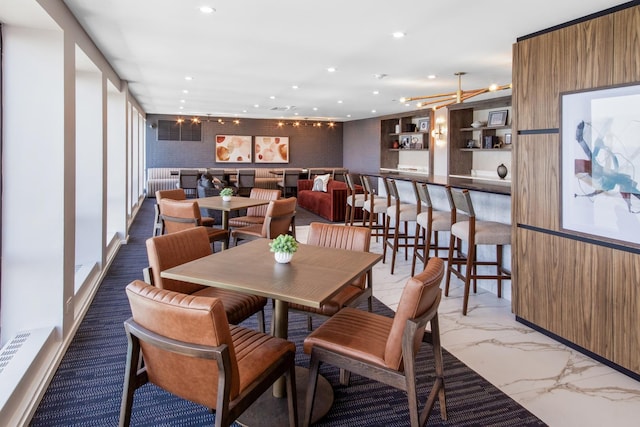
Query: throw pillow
point(320, 182)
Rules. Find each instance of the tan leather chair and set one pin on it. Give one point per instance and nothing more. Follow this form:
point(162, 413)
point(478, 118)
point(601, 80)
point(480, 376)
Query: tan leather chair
point(255, 214)
point(429, 222)
point(190, 350)
point(279, 219)
point(170, 250)
point(354, 200)
point(468, 229)
point(382, 348)
point(178, 215)
point(400, 213)
point(177, 194)
point(340, 237)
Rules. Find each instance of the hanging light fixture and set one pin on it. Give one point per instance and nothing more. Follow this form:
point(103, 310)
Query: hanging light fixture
point(443, 99)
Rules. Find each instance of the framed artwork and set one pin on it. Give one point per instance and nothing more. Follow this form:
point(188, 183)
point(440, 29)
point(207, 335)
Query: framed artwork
point(272, 149)
point(424, 125)
point(497, 118)
point(233, 149)
point(600, 163)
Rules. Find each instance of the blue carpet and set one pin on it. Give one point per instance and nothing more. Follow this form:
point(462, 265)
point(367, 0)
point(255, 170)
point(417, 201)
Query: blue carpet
point(87, 387)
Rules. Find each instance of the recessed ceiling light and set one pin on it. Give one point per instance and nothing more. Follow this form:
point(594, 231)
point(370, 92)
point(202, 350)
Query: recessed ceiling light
point(398, 35)
point(294, 87)
point(188, 78)
point(431, 76)
point(315, 108)
point(185, 91)
point(256, 105)
point(207, 9)
point(380, 76)
point(272, 97)
point(373, 111)
point(181, 107)
point(244, 111)
point(182, 101)
point(340, 101)
point(375, 92)
point(331, 69)
point(348, 115)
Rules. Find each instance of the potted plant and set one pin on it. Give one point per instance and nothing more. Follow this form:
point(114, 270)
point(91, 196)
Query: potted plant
point(283, 247)
point(226, 194)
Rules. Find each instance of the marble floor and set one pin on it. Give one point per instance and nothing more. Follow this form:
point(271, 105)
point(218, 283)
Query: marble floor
point(559, 385)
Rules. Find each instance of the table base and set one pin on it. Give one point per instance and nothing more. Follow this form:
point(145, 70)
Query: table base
point(271, 411)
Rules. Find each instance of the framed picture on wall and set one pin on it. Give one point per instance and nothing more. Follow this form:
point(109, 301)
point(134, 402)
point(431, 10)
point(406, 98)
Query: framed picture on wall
point(272, 149)
point(497, 118)
point(600, 163)
point(233, 149)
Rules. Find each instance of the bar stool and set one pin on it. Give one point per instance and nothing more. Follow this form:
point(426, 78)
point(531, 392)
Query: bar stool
point(354, 200)
point(400, 213)
point(474, 233)
point(373, 207)
point(429, 222)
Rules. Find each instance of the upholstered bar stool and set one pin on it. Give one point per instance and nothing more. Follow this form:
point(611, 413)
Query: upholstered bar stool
point(373, 207)
point(475, 233)
point(429, 222)
point(354, 200)
point(401, 214)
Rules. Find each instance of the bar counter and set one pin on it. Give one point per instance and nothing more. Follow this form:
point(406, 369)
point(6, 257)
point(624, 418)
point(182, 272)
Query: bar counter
point(485, 185)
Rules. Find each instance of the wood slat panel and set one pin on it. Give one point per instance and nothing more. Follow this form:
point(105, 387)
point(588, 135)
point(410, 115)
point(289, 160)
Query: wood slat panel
point(536, 185)
point(626, 310)
point(626, 47)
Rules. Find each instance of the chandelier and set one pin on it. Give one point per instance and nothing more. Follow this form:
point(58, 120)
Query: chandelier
point(443, 99)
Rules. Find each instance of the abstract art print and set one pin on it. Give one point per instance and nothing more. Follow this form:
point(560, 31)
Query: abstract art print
point(233, 149)
point(600, 158)
point(272, 149)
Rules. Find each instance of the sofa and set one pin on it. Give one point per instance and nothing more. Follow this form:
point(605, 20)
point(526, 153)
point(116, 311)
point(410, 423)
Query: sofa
point(330, 205)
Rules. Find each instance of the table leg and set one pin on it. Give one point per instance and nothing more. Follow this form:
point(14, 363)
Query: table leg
point(280, 325)
point(225, 226)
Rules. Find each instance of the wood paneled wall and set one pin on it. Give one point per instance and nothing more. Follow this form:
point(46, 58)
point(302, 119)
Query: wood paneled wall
point(583, 291)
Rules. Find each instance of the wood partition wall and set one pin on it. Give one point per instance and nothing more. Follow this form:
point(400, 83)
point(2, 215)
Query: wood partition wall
point(581, 290)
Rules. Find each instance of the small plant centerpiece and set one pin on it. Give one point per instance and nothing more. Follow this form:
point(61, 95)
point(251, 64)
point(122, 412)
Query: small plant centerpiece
point(226, 194)
point(283, 247)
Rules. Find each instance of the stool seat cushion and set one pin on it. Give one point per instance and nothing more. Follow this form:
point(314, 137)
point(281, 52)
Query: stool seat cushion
point(440, 220)
point(379, 205)
point(487, 232)
point(407, 212)
point(359, 200)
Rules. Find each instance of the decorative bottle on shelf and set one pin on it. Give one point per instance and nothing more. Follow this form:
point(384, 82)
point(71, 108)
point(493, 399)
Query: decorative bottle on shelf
point(502, 171)
point(396, 144)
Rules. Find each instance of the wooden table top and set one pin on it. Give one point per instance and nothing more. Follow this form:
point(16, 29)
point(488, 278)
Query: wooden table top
point(313, 276)
point(236, 203)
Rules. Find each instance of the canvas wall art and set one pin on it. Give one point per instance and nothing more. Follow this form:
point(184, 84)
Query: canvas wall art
point(272, 149)
point(233, 149)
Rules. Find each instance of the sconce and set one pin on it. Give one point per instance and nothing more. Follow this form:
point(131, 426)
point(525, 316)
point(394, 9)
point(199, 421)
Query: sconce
point(439, 130)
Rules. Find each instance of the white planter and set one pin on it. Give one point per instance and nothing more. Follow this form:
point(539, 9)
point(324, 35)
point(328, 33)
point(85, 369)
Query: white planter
point(282, 257)
point(226, 198)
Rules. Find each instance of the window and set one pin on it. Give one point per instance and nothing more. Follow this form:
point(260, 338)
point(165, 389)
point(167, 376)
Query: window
point(169, 130)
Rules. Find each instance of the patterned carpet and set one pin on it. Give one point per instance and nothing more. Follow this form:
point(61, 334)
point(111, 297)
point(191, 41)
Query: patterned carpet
point(87, 387)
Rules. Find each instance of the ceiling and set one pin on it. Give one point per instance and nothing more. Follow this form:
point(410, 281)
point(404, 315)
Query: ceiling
point(246, 57)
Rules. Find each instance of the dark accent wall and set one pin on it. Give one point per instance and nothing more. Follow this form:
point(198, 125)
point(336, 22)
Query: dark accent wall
point(362, 145)
point(309, 145)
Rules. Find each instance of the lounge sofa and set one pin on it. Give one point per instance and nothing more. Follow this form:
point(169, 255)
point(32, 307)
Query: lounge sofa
point(330, 205)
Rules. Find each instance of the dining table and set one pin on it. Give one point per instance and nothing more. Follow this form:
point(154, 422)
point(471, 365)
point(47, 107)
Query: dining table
point(312, 277)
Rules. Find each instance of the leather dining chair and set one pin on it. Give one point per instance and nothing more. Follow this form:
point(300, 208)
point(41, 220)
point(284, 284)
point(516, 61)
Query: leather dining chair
point(178, 215)
point(279, 219)
point(354, 199)
point(177, 194)
point(189, 349)
point(170, 250)
point(474, 232)
point(382, 348)
point(340, 237)
point(255, 214)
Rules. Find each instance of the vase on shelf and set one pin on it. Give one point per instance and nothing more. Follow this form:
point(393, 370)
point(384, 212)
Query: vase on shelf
point(226, 198)
point(283, 257)
point(502, 171)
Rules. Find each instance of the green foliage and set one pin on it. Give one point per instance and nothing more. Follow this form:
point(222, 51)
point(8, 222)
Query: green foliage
point(284, 243)
point(226, 192)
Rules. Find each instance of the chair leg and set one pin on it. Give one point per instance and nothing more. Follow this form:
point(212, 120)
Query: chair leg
point(395, 243)
point(260, 316)
point(419, 231)
point(499, 268)
point(384, 243)
point(130, 380)
point(314, 367)
point(452, 242)
point(471, 256)
point(309, 323)
point(292, 395)
point(347, 215)
point(438, 386)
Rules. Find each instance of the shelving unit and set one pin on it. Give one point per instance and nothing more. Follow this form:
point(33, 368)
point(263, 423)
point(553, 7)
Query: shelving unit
point(390, 156)
point(460, 117)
